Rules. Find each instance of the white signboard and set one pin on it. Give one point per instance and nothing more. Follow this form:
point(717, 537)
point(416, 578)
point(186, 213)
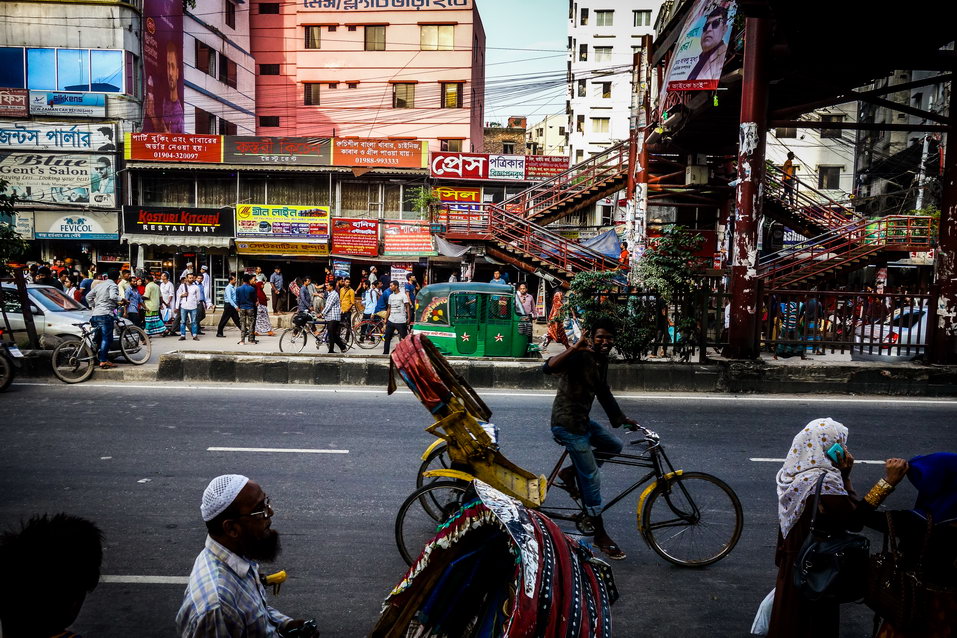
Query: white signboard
point(79, 225)
point(24, 224)
point(67, 104)
point(57, 136)
point(80, 180)
point(508, 167)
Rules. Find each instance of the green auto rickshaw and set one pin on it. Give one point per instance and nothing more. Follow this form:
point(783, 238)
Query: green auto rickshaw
point(473, 320)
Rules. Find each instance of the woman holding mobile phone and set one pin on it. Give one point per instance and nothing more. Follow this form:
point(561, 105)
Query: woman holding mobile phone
point(820, 446)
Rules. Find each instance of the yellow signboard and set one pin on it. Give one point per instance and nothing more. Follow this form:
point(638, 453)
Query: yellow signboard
point(276, 248)
point(282, 222)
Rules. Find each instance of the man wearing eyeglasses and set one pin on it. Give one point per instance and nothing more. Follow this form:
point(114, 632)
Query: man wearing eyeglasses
point(224, 596)
point(713, 48)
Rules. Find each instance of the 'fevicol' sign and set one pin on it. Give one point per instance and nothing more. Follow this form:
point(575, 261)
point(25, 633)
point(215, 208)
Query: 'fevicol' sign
point(50, 225)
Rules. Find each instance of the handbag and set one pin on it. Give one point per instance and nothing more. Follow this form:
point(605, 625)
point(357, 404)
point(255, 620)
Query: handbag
point(831, 566)
point(897, 592)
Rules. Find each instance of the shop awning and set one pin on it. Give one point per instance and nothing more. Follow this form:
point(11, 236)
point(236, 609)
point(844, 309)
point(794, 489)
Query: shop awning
point(197, 241)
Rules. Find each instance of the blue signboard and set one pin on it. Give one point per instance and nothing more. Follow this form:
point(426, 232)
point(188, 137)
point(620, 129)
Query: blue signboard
point(67, 104)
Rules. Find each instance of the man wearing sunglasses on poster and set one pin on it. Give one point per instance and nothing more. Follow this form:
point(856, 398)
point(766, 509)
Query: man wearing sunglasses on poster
point(224, 596)
point(713, 47)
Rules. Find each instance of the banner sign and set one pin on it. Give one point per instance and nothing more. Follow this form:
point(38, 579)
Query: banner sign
point(700, 52)
point(397, 272)
point(381, 5)
point(282, 248)
point(380, 153)
point(529, 168)
point(310, 151)
point(460, 205)
point(358, 237)
point(167, 147)
point(163, 98)
point(258, 220)
point(92, 225)
point(70, 180)
point(24, 224)
point(156, 220)
point(407, 238)
point(341, 268)
point(14, 102)
point(67, 104)
point(57, 137)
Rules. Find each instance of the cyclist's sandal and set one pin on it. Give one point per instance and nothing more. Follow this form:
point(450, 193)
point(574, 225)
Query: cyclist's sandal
point(612, 551)
point(568, 482)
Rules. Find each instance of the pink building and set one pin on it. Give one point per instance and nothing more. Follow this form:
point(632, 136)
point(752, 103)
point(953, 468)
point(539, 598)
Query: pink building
point(371, 68)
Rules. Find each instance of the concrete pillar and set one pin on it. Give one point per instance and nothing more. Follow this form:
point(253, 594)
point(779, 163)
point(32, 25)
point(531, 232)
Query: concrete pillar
point(745, 304)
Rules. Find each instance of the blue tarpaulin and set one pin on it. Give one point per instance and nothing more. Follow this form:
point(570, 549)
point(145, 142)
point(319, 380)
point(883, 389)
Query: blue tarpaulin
point(606, 243)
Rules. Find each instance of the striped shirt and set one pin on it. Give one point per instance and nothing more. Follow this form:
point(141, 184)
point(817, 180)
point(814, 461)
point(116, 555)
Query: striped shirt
point(332, 311)
point(225, 599)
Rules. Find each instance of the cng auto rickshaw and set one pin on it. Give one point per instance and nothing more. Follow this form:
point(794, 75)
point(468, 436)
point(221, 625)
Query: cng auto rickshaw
point(473, 320)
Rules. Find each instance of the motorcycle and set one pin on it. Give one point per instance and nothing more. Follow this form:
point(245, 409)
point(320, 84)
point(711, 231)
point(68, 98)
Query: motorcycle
point(9, 361)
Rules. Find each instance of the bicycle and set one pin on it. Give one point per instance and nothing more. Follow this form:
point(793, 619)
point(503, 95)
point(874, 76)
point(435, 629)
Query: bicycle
point(691, 519)
point(370, 333)
point(74, 359)
point(294, 339)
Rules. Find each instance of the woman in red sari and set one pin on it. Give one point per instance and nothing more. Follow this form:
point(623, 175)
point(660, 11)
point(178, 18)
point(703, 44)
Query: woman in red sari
point(556, 327)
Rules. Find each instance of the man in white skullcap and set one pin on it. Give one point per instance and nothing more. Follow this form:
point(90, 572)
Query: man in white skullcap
point(224, 597)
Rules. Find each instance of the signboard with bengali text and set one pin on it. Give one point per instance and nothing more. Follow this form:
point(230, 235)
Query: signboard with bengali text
point(14, 103)
point(308, 151)
point(57, 136)
point(407, 238)
point(358, 237)
point(515, 168)
point(459, 205)
point(383, 5)
point(379, 153)
point(288, 222)
point(544, 166)
point(86, 225)
point(282, 248)
point(506, 167)
point(174, 147)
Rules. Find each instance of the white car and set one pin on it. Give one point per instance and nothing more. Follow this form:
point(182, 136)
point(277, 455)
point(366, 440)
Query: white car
point(53, 314)
point(905, 327)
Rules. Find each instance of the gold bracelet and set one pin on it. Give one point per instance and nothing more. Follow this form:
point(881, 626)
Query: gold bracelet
point(878, 493)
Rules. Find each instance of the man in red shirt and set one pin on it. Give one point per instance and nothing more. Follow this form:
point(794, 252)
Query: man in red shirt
point(625, 256)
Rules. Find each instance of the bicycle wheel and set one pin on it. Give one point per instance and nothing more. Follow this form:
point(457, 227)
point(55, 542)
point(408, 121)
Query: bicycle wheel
point(6, 372)
point(293, 340)
point(73, 361)
point(414, 526)
point(369, 335)
point(692, 520)
point(438, 459)
point(135, 345)
point(347, 335)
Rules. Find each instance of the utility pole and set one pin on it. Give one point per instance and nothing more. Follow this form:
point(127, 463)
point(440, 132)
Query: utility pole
point(943, 336)
point(636, 191)
point(922, 173)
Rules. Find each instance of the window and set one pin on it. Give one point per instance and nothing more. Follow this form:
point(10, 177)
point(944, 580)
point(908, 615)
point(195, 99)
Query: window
point(829, 177)
point(642, 18)
point(584, 17)
point(602, 54)
point(268, 69)
point(98, 70)
point(403, 95)
point(508, 147)
point(454, 146)
point(268, 120)
point(540, 132)
point(268, 8)
point(106, 71)
point(230, 14)
point(11, 67)
point(375, 38)
point(600, 124)
point(205, 58)
point(583, 53)
point(579, 156)
point(132, 74)
point(332, 28)
point(227, 128)
point(352, 85)
point(561, 130)
point(41, 69)
point(227, 71)
point(603, 89)
point(350, 27)
point(785, 132)
point(581, 88)
point(451, 95)
point(580, 124)
point(604, 18)
point(436, 37)
point(73, 69)
point(310, 93)
point(205, 122)
point(831, 132)
point(333, 85)
point(312, 37)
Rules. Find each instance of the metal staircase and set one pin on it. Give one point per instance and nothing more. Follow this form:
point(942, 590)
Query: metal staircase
point(803, 208)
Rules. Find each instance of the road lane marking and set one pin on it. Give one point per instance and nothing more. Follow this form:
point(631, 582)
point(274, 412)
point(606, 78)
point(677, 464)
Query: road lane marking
point(145, 580)
point(275, 449)
point(544, 394)
point(856, 461)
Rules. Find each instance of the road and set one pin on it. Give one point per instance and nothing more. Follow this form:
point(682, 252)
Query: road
point(135, 459)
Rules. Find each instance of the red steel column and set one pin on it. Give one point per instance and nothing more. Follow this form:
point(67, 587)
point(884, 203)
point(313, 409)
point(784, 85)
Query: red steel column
point(943, 348)
point(745, 304)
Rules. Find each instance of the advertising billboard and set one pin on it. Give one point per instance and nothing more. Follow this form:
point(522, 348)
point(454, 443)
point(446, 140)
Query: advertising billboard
point(166, 147)
point(380, 153)
point(308, 151)
point(163, 66)
point(13, 102)
point(282, 248)
point(63, 104)
point(703, 45)
point(82, 225)
point(359, 237)
point(55, 136)
point(187, 220)
point(528, 168)
point(279, 222)
point(64, 179)
point(407, 238)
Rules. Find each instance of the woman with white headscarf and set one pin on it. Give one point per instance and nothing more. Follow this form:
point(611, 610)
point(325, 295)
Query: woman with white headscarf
point(840, 508)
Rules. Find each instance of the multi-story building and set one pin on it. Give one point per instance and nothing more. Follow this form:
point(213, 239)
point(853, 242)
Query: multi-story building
point(508, 139)
point(549, 136)
point(414, 70)
point(603, 37)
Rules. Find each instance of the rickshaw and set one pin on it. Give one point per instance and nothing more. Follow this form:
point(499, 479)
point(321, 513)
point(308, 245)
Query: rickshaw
point(473, 320)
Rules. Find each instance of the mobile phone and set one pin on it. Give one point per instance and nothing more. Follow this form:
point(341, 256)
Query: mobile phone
point(836, 453)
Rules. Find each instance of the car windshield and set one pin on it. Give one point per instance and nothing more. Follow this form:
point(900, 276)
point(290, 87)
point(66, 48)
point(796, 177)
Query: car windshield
point(53, 300)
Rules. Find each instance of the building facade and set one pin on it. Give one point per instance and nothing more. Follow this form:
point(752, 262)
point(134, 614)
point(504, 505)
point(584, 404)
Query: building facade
point(549, 136)
point(508, 139)
point(413, 71)
point(603, 38)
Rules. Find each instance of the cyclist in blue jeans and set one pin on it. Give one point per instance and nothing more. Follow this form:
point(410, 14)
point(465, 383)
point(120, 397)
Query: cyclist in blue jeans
point(584, 370)
point(104, 299)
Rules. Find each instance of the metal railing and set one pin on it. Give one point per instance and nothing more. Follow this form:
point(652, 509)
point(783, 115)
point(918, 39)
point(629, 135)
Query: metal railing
point(806, 202)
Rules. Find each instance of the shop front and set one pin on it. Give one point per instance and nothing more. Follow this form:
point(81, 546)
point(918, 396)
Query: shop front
point(80, 238)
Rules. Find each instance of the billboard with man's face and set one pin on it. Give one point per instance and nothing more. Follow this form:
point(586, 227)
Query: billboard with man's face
point(700, 53)
point(163, 66)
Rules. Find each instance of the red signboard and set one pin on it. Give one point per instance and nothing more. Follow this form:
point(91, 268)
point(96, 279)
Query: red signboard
point(459, 165)
point(174, 147)
point(408, 238)
point(355, 237)
point(379, 153)
point(544, 166)
point(14, 102)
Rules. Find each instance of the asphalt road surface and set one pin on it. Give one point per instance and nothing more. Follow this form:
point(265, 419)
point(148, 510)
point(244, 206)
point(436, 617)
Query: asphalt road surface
point(136, 459)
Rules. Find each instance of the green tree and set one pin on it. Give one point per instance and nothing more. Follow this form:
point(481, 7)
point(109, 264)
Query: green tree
point(12, 246)
point(422, 199)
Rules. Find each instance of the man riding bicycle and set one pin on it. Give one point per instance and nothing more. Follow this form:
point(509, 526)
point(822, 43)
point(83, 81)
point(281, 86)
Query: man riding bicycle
point(584, 370)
